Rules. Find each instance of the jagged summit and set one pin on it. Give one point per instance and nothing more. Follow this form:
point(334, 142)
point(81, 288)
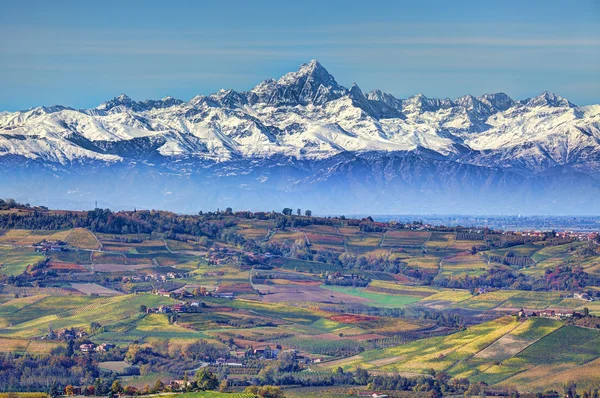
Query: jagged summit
point(312, 72)
point(550, 99)
point(310, 84)
point(498, 101)
point(121, 99)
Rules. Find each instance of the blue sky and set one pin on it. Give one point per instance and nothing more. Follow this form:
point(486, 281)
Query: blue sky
point(81, 53)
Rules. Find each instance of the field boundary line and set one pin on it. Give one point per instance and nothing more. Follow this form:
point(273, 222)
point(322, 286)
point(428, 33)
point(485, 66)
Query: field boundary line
point(343, 238)
point(167, 246)
point(532, 343)
point(70, 232)
point(306, 238)
point(28, 305)
point(97, 240)
point(563, 371)
point(471, 356)
point(428, 239)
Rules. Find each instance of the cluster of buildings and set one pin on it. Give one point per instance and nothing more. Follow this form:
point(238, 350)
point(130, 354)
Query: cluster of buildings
point(46, 246)
point(153, 277)
point(547, 313)
point(221, 255)
point(583, 296)
point(575, 235)
point(225, 362)
point(340, 277)
point(65, 334)
point(90, 347)
point(178, 308)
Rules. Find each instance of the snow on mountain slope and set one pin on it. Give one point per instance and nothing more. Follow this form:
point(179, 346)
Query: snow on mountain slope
point(307, 115)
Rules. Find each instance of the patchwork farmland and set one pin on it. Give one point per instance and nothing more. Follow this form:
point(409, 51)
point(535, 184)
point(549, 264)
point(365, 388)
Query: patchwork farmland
point(337, 295)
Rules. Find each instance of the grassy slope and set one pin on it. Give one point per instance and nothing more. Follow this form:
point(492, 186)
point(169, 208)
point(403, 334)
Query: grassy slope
point(377, 299)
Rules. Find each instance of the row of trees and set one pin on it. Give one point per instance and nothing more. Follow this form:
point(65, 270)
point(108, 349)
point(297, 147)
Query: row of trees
point(557, 278)
point(288, 212)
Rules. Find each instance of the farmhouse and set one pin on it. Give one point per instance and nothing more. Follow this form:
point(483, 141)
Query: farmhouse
point(50, 246)
point(224, 295)
point(180, 308)
point(104, 347)
point(556, 313)
point(77, 390)
point(87, 347)
point(583, 296)
point(177, 384)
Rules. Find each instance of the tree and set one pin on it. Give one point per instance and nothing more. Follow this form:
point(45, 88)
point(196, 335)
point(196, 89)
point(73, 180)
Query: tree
point(94, 326)
point(143, 308)
point(361, 376)
point(265, 391)
point(116, 387)
point(206, 380)
point(69, 390)
point(158, 386)
point(287, 211)
point(307, 213)
point(53, 390)
point(132, 352)
point(299, 212)
point(223, 386)
point(570, 389)
point(70, 348)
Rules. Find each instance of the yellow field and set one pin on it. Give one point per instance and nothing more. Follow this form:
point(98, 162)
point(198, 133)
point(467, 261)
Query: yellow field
point(453, 295)
point(29, 237)
point(463, 261)
point(467, 244)
point(441, 240)
point(83, 239)
point(403, 287)
point(552, 376)
point(30, 346)
point(423, 262)
point(489, 300)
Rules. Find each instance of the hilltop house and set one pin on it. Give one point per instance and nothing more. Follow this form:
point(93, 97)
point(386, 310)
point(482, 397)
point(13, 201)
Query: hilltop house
point(87, 347)
point(104, 347)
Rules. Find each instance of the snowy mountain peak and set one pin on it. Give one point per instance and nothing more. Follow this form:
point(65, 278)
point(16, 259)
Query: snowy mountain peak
point(355, 91)
point(497, 101)
point(419, 103)
point(385, 98)
point(310, 84)
point(123, 98)
point(550, 99)
point(119, 100)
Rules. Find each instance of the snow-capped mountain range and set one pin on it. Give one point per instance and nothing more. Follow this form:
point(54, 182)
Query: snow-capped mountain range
point(307, 121)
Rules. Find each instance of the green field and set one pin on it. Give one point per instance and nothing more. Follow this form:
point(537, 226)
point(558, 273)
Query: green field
point(60, 312)
point(376, 299)
point(14, 261)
